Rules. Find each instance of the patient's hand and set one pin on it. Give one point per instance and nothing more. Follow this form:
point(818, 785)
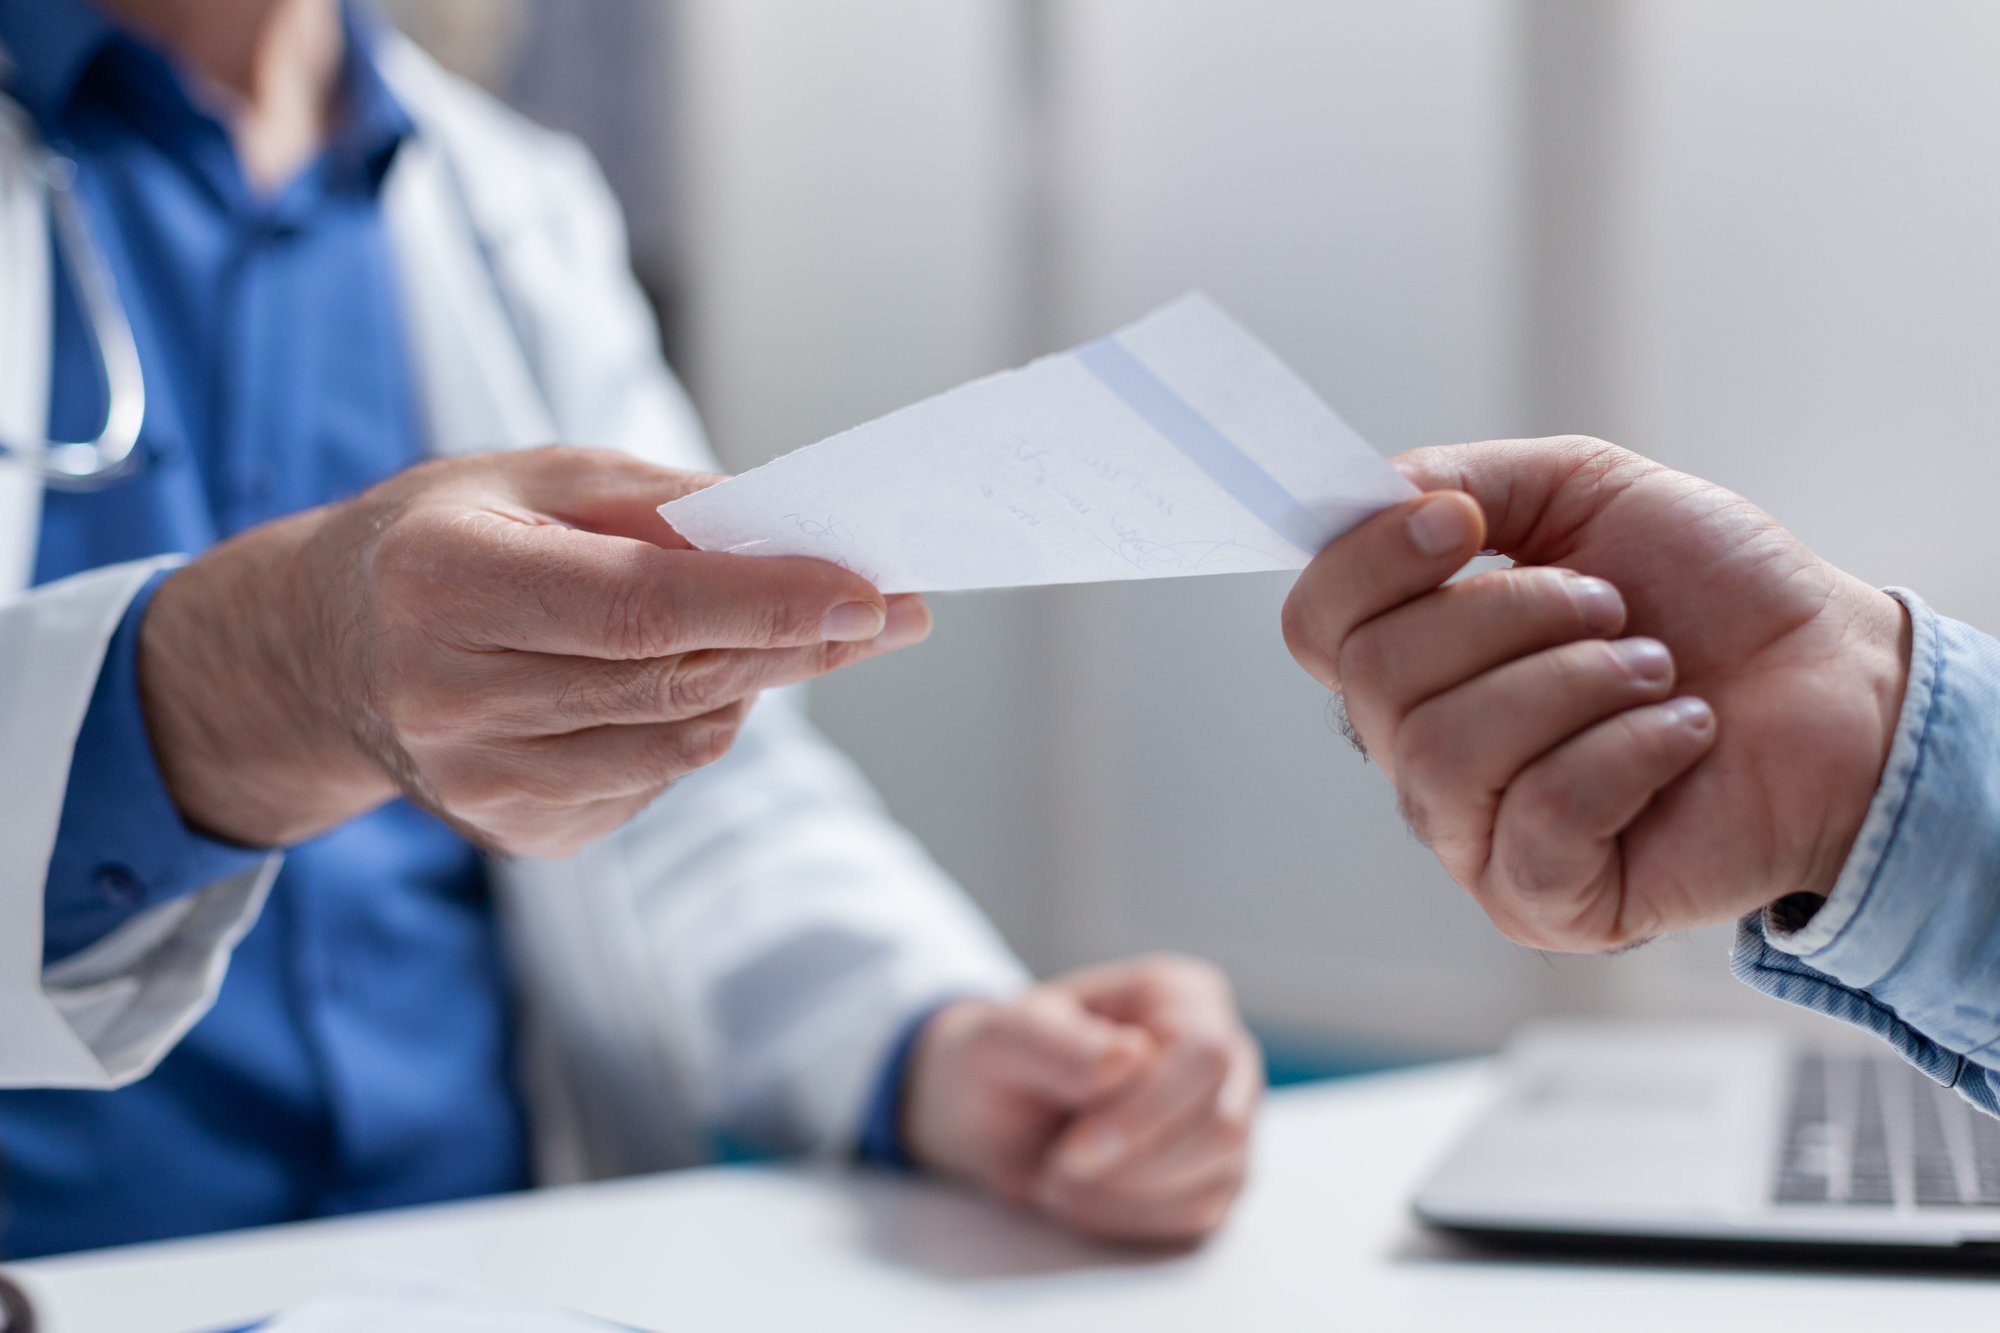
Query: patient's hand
point(1117, 1100)
point(1670, 713)
point(515, 640)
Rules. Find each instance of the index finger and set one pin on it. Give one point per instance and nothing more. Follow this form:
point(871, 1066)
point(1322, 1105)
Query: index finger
point(1397, 555)
point(552, 589)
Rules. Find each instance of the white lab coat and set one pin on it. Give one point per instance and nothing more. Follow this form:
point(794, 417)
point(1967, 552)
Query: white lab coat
point(738, 960)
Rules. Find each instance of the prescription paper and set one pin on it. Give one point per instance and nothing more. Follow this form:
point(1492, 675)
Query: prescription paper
point(1178, 445)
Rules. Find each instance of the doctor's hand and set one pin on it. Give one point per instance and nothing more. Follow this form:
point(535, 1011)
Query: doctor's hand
point(516, 641)
point(1671, 712)
point(1117, 1100)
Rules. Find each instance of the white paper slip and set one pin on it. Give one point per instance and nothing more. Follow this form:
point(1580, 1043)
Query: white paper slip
point(1178, 445)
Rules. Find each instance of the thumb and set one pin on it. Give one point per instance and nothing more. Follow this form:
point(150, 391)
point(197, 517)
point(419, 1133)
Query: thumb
point(1050, 1045)
point(1536, 494)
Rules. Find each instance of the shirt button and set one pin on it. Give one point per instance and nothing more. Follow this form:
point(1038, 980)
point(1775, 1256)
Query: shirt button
point(119, 885)
point(255, 484)
point(279, 228)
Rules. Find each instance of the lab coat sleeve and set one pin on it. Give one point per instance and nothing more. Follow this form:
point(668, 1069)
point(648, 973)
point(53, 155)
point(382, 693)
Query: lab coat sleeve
point(123, 847)
point(790, 930)
point(797, 931)
point(106, 1014)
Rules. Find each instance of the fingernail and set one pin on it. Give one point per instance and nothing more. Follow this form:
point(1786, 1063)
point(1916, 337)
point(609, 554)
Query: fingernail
point(1691, 713)
point(1093, 1154)
point(852, 621)
point(908, 623)
point(1598, 603)
point(1647, 659)
point(1439, 526)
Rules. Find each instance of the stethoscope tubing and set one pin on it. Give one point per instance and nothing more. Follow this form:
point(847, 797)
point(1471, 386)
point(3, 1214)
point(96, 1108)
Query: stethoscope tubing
point(87, 465)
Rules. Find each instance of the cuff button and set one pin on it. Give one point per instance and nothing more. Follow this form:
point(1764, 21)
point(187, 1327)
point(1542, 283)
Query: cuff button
point(119, 885)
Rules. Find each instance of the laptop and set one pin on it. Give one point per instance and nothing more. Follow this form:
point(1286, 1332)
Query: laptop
point(1700, 1137)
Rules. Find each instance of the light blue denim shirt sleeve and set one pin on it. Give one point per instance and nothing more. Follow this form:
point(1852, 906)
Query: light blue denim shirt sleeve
point(1908, 943)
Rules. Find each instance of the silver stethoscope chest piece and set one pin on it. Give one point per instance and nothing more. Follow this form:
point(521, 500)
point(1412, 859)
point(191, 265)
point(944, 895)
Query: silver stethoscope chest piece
point(85, 465)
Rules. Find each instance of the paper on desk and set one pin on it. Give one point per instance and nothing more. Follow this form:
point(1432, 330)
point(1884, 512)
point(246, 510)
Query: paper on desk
point(1178, 445)
point(394, 1302)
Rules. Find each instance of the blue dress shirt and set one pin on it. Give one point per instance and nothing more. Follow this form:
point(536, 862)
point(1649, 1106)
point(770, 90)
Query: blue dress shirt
point(1907, 944)
point(359, 1053)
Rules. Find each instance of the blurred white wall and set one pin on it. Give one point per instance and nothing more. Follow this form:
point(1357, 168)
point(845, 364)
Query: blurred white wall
point(1756, 240)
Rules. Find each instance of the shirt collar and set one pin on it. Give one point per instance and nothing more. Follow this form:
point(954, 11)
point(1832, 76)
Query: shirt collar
point(372, 121)
point(49, 44)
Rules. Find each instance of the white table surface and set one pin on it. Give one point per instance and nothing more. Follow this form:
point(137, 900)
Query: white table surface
point(1322, 1239)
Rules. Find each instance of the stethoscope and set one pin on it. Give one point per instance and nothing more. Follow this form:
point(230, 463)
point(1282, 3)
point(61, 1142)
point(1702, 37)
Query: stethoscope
point(89, 465)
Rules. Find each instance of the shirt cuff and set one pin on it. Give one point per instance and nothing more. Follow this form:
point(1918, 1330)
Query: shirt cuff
point(122, 846)
point(1908, 940)
point(882, 1130)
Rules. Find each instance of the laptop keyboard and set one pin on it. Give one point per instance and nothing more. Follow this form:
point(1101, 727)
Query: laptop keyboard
point(1868, 1131)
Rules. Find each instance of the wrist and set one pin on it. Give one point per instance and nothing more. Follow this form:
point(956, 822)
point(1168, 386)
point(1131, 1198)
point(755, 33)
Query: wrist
point(921, 1123)
point(253, 748)
point(1878, 652)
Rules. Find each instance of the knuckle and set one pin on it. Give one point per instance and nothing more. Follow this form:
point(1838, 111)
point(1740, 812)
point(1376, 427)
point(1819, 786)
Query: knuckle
point(1545, 805)
point(1182, 967)
point(1588, 450)
point(1526, 931)
point(573, 702)
point(1429, 752)
point(1547, 907)
point(1582, 669)
point(1516, 915)
point(1597, 462)
point(1210, 1214)
point(833, 656)
point(634, 625)
point(1362, 662)
point(1416, 815)
point(707, 743)
point(1204, 977)
point(592, 694)
point(1546, 933)
point(1539, 592)
point(688, 686)
point(788, 620)
point(986, 1028)
point(1305, 645)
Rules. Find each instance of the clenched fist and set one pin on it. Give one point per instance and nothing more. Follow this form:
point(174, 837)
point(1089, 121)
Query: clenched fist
point(1118, 1100)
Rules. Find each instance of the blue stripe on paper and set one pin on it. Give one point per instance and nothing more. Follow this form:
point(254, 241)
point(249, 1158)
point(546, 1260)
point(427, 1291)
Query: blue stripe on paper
point(1205, 446)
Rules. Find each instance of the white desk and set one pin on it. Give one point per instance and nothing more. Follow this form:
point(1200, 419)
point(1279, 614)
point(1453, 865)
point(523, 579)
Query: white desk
point(1322, 1240)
